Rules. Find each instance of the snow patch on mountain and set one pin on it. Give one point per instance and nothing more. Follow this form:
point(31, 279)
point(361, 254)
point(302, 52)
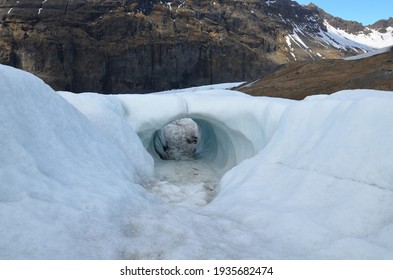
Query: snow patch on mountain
point(369, 39)
point(308, 41)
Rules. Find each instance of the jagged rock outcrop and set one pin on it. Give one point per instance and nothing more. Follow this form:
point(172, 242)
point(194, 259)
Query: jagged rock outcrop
point(348, 25)
point(118, 46)
point(383, 24)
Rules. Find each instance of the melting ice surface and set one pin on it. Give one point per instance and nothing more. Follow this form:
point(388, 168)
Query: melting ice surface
point(309, 179)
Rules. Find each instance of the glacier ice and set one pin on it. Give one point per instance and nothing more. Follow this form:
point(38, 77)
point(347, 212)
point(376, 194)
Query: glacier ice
point(308, 179)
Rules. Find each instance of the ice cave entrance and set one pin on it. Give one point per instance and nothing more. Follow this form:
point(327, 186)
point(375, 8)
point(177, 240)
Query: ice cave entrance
point(183, 151)
point(194, 139)
point(192, 153)
point(177, 140)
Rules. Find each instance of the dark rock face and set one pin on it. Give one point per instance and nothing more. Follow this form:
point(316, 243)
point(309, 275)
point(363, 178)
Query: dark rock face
point(133, 46)
point(125, 46)
point(348, 25)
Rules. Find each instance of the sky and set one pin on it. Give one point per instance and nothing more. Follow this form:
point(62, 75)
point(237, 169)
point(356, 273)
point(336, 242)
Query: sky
point(364, 11)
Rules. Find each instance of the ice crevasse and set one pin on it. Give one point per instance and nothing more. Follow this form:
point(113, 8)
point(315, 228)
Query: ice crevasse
point(309, 179)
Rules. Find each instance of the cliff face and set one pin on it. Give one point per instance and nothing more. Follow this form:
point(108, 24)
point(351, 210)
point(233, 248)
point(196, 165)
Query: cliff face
point(123, 46)
point(141, 46)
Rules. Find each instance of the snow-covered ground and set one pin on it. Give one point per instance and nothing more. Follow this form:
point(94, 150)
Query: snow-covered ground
point(80, 176)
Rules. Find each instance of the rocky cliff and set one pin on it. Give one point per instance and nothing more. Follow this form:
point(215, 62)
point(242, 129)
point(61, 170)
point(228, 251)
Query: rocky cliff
point(117, 46)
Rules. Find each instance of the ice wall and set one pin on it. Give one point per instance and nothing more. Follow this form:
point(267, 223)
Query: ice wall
point(108, 115)
point(63, 182)
point(322, 187)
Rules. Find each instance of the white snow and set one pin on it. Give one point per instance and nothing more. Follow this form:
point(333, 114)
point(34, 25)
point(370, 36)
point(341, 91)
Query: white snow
point(374, 40)
point(320, 55)
point(370, 54)
point(270, 2)
point(299, 42)
point(324, 182)
point(274, 179)
point(288, 39)
point(207, 89)
point(63, 183)
point(169, 5)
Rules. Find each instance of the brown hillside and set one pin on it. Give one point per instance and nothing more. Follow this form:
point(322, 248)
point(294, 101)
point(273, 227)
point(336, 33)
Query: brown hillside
point(297, 80)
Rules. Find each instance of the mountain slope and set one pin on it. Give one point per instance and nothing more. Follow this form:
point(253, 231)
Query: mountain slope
point(323, 32)
point(142, 46)
point(298, 80)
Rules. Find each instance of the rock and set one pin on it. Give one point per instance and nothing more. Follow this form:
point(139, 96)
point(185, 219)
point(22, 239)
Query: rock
point(128, 46)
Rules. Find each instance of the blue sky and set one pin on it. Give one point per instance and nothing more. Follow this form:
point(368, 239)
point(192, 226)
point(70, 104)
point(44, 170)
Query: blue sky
point(364, 11)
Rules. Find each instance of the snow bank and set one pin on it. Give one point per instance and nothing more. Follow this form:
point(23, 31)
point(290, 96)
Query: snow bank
point(62, 182)
point(322, 187)
point(109, 116)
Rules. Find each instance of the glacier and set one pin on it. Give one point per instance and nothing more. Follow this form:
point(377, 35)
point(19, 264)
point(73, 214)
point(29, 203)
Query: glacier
point(79, 175)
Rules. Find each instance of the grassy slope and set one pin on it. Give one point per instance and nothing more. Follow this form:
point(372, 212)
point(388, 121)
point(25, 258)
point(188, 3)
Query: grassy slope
point(297, 80)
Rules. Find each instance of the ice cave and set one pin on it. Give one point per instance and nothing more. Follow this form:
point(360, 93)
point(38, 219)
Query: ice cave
point(194, 139)
point(223, 139)
point(177, 140)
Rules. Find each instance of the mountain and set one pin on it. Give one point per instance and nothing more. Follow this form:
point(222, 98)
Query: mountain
point(317, 36)
point(142, 46)
point(300, 79)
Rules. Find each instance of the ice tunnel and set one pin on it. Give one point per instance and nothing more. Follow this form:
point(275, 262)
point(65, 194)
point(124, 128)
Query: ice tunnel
point(229, 130)
point(213, 143)
point(177, 140)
